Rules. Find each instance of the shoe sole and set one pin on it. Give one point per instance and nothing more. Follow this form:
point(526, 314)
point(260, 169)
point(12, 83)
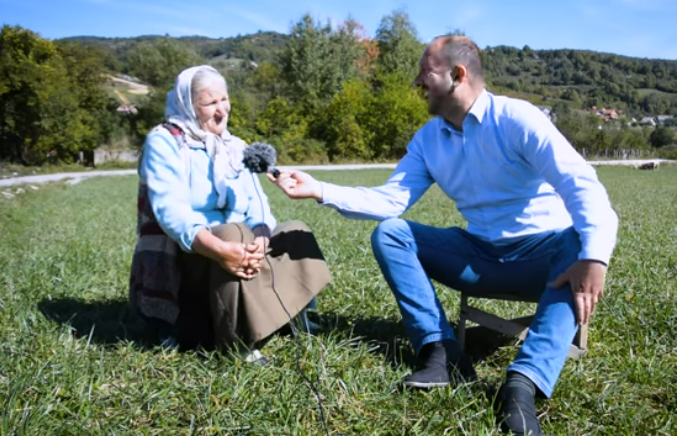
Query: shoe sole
point(426, 385)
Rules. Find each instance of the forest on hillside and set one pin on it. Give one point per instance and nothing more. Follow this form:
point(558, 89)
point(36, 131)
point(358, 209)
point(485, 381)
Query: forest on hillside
point(321, 93)
point(640, 86)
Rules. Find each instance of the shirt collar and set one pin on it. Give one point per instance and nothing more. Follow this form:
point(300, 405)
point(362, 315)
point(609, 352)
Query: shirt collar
point(477, 110)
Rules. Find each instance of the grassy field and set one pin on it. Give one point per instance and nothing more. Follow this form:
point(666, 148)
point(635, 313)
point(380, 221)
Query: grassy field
point(649, 91)
point(74, 362)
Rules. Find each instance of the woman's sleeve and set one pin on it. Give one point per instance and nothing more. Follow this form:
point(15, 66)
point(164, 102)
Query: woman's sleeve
point(164, 171)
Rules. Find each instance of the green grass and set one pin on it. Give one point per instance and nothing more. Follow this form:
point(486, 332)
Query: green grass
point(648, 91)
point(74, 362)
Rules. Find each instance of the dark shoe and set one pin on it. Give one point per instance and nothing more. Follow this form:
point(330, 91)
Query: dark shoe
point(442, 363)
point(517, 409)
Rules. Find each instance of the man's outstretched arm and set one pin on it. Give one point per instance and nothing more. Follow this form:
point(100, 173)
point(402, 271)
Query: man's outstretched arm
point(404, 187)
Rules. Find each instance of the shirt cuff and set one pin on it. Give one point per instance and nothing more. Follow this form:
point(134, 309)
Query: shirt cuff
point(186, 240)
point(330, 194)
point(597, 249)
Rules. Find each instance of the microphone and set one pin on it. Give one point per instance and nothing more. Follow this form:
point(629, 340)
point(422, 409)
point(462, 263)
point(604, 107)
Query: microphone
point(260, 158)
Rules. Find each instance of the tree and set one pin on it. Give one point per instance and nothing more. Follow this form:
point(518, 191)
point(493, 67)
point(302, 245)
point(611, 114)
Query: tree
point(369, 49)
point(316, 61)
point(159, 61)
point(46, 110)
point(571, 94)
point(305, 65)
point(396, 112)
point(661, 136)
point(398, 44)
point(266, 79)
point(355, 52)
point(87, 72)
point(150, 113)
point(341, 123)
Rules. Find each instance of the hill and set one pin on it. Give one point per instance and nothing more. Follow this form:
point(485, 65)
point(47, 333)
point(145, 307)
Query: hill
point(586, 78)
point(577, 78)
point(258, 47)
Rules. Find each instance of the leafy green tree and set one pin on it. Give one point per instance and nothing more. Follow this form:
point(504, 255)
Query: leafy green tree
point(317, 60)
point(341, 128)
point(628, 139)
point(150, 113)
point(266, 79)
point(159, 61)
point(366, 46)
point(305, 64)
point(353, 55)
point(86, 67)
point(662, 136)
point(572, 95)
point(578, 128)
point(241, 119)
point(280, 119)
point(46, 111)
point(396, 112)
point(398, 43)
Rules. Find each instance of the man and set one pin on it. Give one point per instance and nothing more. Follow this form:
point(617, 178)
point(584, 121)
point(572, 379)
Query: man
point(539, 224)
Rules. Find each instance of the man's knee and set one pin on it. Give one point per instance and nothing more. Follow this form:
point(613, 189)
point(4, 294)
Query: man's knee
point(387, 230)
point(233, 233)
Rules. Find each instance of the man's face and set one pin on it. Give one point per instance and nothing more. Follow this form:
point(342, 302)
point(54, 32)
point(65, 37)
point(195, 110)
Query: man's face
point(435, 81)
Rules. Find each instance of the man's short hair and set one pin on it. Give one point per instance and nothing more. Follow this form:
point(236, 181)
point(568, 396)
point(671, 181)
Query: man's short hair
point(461, 50)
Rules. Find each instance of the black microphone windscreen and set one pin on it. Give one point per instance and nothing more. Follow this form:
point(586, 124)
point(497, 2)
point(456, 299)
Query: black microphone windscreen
point(259, 157)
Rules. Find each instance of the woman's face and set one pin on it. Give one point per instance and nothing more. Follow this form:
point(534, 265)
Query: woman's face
point(212, 108)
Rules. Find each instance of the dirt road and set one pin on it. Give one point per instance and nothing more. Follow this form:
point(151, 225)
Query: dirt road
point(74, 178)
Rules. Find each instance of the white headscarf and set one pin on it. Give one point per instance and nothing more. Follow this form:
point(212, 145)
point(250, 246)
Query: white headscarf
point(225, 150)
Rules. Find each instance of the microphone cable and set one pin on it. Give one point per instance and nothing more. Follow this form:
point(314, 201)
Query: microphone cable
point(294, 332)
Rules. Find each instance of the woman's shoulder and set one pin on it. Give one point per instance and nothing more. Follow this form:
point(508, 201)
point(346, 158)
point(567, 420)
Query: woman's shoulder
point(163, 134)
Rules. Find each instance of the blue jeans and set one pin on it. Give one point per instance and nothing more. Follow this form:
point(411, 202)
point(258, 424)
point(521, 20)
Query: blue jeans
point(411, 254)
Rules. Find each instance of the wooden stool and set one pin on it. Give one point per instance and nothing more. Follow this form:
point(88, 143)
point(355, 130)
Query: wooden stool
point(510, 327)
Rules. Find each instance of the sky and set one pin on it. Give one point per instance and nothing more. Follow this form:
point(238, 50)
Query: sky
point(641, 28)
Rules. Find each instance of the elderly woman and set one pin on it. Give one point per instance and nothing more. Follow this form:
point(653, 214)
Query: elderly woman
point(212, 268)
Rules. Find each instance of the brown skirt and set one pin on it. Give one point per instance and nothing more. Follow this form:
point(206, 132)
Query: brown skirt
point(218, 309)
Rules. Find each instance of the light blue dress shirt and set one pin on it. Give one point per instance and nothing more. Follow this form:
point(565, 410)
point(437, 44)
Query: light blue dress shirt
point(510, 172)
point(183, 197)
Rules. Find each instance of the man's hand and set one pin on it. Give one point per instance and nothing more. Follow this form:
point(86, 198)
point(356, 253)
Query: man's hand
point(297, 184)
point(586, 278)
